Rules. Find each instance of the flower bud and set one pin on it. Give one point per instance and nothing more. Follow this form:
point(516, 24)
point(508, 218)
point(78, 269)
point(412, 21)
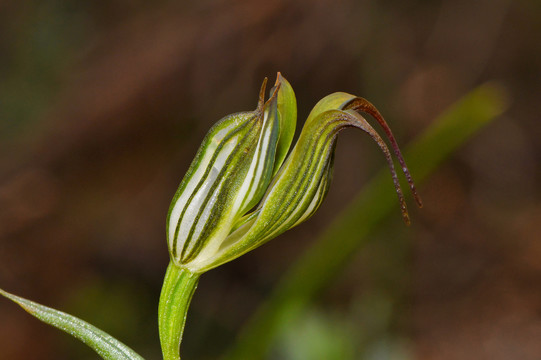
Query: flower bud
point(239, 165)
point(302, 183)
point(229, 176)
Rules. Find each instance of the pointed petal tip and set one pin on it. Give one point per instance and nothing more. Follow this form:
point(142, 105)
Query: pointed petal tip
point(279, 78)
point(274, 94)
point(261, 102)
point(407, 220)
point(418, 200)
point(404, 210)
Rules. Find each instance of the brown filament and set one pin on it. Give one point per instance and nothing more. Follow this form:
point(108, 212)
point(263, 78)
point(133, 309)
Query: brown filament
point(261, 104)
point(361, 104)
point(360, 122)
point(261, 100)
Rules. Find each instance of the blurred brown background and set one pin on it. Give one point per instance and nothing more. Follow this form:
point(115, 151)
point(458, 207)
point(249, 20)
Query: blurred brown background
point(104, 103)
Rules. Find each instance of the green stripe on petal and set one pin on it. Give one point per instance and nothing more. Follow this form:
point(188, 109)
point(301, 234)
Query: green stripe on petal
point(202, 178)
point(229, 176)
point(296, 192)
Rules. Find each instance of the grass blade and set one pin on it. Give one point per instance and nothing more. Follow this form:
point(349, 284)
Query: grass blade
point(104, 344)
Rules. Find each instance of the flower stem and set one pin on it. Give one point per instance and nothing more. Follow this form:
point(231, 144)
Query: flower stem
point(178, 288)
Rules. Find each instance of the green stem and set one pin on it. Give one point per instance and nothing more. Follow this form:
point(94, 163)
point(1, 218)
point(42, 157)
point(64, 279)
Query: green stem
point(178, 288)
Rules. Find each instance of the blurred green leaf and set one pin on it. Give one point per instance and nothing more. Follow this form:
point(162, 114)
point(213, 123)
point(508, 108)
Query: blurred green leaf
point(323, 261)
point(318, 336)
point(104, 344)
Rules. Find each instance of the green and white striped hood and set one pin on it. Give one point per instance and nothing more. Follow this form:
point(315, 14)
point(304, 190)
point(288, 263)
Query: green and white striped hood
point(239, 192)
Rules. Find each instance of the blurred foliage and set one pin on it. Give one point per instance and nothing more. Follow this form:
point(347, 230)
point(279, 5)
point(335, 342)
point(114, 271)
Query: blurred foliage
point(39, 43)
point(113, 306)
point(318, 336)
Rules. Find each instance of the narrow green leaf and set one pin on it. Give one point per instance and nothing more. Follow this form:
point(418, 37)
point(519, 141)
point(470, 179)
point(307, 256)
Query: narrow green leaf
point(323, 261)
point(104, 344)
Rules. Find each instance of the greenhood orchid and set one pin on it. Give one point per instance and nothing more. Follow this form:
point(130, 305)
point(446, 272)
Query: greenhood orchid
point(243, 189)
point(239, 192)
